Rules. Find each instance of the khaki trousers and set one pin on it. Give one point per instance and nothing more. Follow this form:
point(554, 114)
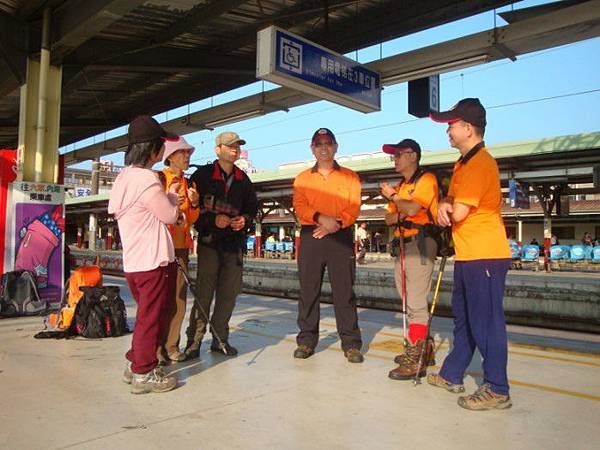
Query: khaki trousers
point(418, 278)
point(178, 311)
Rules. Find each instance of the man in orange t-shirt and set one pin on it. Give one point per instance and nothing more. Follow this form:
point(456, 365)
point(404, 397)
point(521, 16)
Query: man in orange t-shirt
point(481, 262)
point(411, 206)
point(327, 202)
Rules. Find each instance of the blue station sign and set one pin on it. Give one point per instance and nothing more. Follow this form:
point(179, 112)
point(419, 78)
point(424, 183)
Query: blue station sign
point(292, 61)
point(518, 194)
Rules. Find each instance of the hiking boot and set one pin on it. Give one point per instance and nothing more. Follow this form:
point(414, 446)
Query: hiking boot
point(153, 381)
point(192, 351)
point(177, 356)
point(223, 349)
point(127, 374)
point(435, 379)
point(428, 356)
point(354, 355)
point(484, 399)
point(303, 352)
point(408, 362)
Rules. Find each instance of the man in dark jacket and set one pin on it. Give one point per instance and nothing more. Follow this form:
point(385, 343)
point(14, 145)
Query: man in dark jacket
point(228, 205)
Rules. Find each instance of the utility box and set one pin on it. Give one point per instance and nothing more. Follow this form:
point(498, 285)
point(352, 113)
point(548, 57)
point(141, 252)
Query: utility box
point(424, 96)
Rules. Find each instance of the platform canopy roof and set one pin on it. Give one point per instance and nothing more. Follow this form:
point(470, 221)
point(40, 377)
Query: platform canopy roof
point(121, 58)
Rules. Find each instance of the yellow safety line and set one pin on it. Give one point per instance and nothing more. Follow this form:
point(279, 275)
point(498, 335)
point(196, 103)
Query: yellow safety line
point(475, 374)
point(545, 348)
point(528, 346)
point(555, 358)
point(541, 387)
point(555, 390)
point(536, 347)
point(293, 340)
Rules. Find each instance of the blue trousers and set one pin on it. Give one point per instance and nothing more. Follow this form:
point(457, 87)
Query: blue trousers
point(479, 322)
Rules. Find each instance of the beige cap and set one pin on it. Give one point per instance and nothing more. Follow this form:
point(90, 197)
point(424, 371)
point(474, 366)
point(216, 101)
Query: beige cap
point(229, 138)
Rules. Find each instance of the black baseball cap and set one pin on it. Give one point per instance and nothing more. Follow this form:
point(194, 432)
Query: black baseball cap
point(404, 143)
point(323, 132)
point(145, 129)
point(468, 109)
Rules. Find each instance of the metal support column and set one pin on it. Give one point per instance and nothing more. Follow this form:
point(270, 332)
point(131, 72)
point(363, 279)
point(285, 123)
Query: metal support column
point(39, 116)
point(93, 224)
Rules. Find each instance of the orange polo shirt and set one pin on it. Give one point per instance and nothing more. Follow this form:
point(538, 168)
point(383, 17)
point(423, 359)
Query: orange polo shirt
point(336, 195)
point(476, 183)
point(180, 232)
point(423, 191)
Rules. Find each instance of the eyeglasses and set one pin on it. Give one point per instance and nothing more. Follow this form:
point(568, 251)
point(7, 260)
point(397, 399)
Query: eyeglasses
point(399, 155)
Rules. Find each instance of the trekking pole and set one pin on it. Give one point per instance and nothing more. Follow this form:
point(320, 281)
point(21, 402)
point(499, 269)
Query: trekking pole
point(403, 288)
point(212, 329)
point(436, 294)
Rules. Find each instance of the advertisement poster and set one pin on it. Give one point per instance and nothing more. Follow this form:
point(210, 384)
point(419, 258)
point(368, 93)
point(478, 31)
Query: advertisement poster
point(38, 234)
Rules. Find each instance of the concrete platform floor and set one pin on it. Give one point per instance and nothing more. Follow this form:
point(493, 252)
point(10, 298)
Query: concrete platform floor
point(69, 394)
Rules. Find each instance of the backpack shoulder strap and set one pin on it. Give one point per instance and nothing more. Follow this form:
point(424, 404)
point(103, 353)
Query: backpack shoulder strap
point(33, 282)
point(415, 179)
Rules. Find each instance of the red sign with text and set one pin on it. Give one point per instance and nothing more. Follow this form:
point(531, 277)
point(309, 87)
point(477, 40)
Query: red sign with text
point(8, 174)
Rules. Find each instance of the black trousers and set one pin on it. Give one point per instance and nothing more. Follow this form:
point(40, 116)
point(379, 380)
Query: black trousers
point(336, 253)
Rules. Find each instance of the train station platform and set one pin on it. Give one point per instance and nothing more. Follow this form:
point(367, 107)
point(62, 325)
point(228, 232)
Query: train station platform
point(68, 394)
point(561, 300)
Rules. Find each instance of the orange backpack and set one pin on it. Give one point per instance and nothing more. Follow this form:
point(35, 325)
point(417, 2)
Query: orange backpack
point(83, 276)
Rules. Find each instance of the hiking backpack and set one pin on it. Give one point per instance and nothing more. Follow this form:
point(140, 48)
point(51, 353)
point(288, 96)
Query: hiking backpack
point(19, 295)
point(100, 313)
point(82, 276)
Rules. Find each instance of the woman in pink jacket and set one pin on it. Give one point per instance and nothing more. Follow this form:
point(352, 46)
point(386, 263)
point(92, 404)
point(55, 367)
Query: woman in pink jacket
point(143, 209)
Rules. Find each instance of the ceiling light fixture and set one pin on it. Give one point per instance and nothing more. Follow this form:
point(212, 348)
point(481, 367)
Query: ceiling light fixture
point(234, 118)
point(433, 70)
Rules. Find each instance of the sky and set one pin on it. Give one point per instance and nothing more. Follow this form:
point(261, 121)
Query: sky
point(549, 93)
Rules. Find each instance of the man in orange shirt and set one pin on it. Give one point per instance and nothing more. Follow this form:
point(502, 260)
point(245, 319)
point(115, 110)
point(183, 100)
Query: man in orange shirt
point(327, 202)
point(412, 205)
point(481, 262)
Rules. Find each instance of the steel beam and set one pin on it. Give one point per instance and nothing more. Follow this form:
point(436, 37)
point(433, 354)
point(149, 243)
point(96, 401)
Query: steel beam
point(78, 24)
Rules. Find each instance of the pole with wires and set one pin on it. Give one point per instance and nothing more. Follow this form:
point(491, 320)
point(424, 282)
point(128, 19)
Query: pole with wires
point(220, 342)
point(436, 294)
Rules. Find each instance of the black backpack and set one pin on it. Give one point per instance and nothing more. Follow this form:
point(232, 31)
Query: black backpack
point(115, 305)
point(100, 313)
point(19, 295)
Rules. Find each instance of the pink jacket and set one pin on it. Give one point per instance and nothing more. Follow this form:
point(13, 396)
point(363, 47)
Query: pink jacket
point(143, 210)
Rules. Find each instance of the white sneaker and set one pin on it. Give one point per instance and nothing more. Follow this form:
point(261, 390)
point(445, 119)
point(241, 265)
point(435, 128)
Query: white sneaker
point(154, 381)
point(127, 374)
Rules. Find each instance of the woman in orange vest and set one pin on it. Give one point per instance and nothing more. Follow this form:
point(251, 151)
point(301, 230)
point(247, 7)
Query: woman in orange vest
point(177, 159)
